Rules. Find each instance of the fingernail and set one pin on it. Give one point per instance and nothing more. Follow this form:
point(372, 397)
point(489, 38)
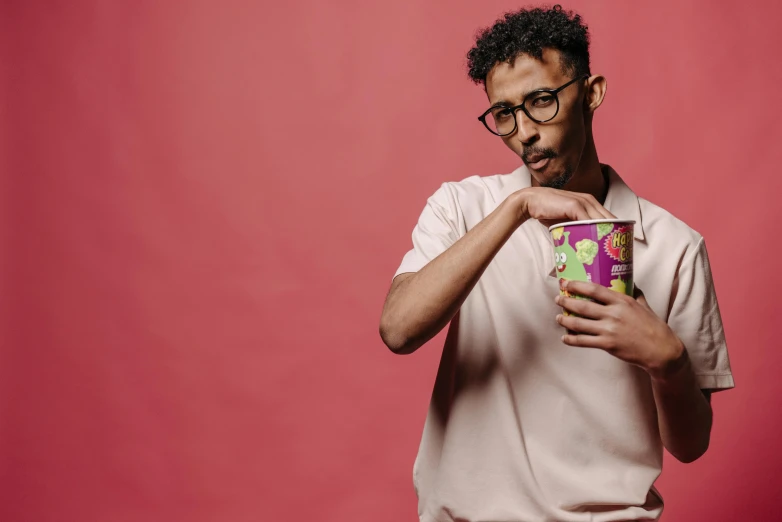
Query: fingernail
point(558, 299)
point(559, 318)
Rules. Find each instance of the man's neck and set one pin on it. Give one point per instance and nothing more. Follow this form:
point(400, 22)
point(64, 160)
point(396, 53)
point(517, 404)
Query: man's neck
point(594, 182)
point(590, 177)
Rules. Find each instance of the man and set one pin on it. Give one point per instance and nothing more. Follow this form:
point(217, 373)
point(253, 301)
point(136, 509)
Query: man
point(526, 422)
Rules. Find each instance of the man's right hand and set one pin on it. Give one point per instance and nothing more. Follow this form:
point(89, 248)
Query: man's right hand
point(552, 206)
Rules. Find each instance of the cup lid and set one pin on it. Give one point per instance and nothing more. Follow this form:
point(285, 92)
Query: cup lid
point(591, 222)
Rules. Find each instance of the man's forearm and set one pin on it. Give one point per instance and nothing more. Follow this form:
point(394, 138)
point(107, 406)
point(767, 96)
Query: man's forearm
point(683, 412)
point(426, 301)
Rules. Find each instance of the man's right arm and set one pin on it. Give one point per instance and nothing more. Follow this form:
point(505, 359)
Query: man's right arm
point(420, 304)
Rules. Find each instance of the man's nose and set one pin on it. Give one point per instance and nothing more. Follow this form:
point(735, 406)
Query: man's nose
point(526, 129)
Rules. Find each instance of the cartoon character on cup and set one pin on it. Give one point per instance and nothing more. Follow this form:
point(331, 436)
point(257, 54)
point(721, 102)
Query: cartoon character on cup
point(569, 267)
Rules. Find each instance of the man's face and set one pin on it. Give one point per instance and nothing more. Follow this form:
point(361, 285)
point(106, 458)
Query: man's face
point(551, 150)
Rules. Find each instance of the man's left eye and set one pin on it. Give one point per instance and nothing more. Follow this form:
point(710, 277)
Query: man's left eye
point(542, 101)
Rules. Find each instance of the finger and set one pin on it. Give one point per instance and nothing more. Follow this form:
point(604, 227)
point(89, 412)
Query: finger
point(604, 212)
point(590, 206)
point(585, 341)
point(583, 206)
point(581, 307)
point(579, 325)
point(577, 209)
point(597, 292)
point(594, 209)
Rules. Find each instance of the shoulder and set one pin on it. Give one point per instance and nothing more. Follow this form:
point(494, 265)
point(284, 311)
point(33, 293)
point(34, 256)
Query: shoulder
point(665, 230)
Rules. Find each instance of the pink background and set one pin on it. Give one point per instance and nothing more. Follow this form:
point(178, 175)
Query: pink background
point(203, 204)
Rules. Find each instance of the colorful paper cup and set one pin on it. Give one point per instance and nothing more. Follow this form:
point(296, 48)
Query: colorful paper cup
point(596, 250)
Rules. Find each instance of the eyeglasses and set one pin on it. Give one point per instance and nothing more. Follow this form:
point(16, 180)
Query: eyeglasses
point(540, 106)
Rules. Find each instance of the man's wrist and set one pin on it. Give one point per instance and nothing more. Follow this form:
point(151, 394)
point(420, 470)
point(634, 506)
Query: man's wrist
point(673, 365)
point(518, 203)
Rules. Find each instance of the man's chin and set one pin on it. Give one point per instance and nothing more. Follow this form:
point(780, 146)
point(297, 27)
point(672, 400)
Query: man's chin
point(557, 181)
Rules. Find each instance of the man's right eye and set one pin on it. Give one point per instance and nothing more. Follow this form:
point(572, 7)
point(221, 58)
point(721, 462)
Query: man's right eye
point(502, 114)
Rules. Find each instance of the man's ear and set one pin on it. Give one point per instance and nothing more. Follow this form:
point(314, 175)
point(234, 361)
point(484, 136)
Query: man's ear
point(595, 92)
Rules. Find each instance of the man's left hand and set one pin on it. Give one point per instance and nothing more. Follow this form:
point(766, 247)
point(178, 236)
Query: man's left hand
point(623, 326)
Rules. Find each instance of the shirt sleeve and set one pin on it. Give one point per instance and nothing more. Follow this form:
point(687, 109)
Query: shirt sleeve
point(695, 319)
point(437, 229)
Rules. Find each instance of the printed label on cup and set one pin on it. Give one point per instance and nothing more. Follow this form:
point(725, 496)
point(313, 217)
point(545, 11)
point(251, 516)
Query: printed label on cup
point(595, 251)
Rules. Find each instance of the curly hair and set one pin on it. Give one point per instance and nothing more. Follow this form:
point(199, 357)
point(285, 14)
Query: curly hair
point(529, 31)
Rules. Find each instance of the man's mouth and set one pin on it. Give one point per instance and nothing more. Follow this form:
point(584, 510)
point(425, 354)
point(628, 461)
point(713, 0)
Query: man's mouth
point(539, 164)
point(536, 160)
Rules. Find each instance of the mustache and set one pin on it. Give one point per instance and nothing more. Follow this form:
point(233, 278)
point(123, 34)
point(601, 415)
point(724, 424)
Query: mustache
point(537, 152)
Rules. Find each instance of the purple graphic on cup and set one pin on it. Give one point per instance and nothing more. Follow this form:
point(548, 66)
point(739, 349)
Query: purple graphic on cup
point(597, 250)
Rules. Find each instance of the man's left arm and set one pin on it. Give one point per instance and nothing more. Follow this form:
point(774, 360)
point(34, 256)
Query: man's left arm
point(629, 329)
point(683, 410)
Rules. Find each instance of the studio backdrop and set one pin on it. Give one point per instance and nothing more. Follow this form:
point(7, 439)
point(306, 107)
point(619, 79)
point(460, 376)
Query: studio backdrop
point(202, 204)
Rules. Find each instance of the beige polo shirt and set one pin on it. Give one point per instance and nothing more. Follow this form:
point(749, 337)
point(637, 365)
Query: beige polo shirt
point(522, 427)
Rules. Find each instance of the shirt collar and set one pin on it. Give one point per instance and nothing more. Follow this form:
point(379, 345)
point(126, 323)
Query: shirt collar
point(622, 202)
